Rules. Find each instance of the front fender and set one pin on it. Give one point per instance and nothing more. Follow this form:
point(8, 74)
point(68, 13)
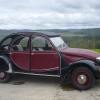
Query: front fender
point(86, 63)
point(95, 68)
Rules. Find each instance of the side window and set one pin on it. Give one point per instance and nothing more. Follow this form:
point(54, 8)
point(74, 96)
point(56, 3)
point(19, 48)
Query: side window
point(24, 42)
point(6, 42)
point(21, 44)
point(41, 44)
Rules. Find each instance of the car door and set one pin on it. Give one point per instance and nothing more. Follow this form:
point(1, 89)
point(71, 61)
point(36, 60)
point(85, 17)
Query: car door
point(20, 53)
point(44, 57)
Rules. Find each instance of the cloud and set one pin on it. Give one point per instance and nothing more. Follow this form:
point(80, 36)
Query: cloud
point(48, 14)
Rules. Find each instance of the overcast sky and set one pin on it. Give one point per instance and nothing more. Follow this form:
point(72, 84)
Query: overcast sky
point(49, 14)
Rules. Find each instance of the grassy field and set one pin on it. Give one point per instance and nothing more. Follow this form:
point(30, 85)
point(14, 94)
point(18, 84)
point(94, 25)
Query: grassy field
point(96, 50)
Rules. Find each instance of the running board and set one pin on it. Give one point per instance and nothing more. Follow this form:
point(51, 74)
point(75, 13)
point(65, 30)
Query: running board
point(36, 74)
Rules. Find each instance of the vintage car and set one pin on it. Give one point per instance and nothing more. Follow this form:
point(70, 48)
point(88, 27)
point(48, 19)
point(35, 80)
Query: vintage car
point(46, 54)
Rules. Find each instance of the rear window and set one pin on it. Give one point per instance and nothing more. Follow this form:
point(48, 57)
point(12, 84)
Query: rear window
point(7, 41)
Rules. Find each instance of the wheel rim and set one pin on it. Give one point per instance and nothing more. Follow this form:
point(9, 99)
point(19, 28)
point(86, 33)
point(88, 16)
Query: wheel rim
point(82, 79)
point(2, 75)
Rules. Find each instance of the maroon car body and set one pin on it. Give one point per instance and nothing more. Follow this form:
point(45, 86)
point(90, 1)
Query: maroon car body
point(46, 54)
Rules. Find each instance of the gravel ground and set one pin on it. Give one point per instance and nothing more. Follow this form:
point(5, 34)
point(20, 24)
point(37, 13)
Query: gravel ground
point(44, 88)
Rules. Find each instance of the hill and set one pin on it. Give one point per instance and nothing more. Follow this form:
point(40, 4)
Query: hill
point(73, 32)
point(82, 38)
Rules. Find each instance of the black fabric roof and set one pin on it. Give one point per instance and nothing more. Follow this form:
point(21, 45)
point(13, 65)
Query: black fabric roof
point(49, 34)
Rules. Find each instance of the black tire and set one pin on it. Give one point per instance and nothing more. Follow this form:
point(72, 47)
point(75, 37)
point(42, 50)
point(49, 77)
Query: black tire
point(4, 77)
point(82, 78)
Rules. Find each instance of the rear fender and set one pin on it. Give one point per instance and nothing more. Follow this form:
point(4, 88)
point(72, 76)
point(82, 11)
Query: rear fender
point(7, 61)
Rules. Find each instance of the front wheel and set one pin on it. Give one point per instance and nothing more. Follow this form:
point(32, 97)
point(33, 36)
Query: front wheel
point(82, 78)
point(4, 77)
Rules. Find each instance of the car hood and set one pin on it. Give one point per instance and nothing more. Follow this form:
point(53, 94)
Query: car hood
point(81, 52)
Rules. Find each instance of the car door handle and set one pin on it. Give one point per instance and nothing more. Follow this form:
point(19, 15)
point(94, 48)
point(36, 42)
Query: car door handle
point(32, 53)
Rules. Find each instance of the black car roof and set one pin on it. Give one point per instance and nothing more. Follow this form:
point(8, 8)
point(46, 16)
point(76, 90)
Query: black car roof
point(49, 34)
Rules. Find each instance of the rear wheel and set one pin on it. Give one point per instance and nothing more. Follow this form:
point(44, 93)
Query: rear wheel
point(82, 78)
point(4, 77)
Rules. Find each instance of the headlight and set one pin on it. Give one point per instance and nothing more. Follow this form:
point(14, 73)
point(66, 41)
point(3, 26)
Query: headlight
point(98, 58)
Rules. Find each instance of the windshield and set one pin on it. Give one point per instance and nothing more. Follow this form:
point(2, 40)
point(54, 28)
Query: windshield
point(58, 43)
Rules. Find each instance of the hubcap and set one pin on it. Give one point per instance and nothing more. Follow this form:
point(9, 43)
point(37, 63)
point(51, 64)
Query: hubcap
point(2, 74)
point(82, 79)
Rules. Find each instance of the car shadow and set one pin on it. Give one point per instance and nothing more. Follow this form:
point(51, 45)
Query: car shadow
point(41, 80)
point(34, 79)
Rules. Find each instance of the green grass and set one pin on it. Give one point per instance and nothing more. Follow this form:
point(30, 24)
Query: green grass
point(96, 50)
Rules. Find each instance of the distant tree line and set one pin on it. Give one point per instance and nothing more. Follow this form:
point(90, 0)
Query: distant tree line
point(88, 42)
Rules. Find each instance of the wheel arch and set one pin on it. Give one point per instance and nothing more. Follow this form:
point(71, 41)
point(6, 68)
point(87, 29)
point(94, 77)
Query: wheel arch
point(8, 66)
point(86, 63)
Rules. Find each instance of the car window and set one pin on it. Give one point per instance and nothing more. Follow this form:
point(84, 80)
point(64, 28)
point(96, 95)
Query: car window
point(6, 41)
point(41, 44)
point(24, 42)
point(21, 44)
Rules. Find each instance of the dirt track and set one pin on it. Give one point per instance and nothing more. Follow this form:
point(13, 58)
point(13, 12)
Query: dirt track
point(43, 88)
